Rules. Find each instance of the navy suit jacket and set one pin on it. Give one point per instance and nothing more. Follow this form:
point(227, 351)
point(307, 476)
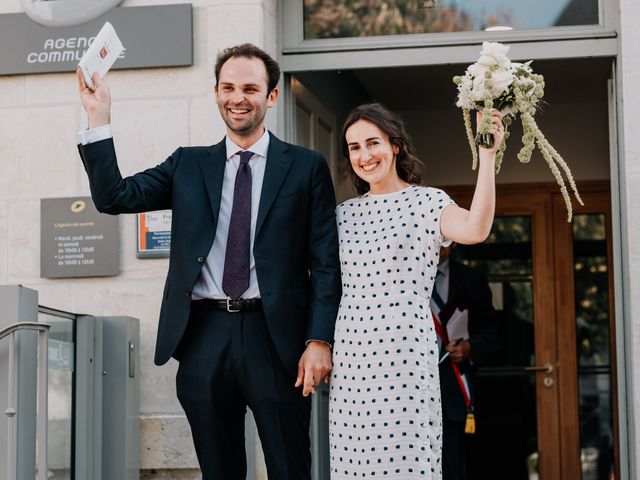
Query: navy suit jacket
point(295, 244)
point(468, 290)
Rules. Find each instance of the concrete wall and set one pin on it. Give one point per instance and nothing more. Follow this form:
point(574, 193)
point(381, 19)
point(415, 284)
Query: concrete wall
point(154, 112)
point(630, 94)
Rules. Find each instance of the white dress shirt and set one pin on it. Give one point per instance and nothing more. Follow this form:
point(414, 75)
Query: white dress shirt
point(209, 283)
point(442, 282)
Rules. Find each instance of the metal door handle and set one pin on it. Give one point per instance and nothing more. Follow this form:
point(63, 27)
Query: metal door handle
point(546, 368)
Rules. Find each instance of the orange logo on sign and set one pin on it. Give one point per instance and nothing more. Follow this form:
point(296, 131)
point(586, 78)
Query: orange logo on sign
point(78, 206)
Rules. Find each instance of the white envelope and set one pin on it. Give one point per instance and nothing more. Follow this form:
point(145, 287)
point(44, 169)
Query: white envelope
point(101, 54)
point(458, 325)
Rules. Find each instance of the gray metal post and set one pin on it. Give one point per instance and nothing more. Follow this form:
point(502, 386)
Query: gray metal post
point(320, 469)
point(20, 304)
point(121, 397)
point(88, 402)
point(43, 405)
point(10, 412)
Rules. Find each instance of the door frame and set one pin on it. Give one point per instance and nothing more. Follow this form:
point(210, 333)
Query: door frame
point(536, 203)
point(595, 202)
point(300, 98)
point(554, 298)
point(621, 280)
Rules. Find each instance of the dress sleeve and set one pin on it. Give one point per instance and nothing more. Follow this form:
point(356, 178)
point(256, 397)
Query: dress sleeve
point(438, 201)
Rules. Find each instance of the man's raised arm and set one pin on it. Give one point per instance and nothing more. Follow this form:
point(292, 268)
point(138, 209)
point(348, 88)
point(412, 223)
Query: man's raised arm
point(97, 103)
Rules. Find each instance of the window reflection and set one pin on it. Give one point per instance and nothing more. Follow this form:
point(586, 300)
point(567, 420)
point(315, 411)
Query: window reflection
point(593, 345)
point(366, 18)
point(61, 352)
point(505, 393)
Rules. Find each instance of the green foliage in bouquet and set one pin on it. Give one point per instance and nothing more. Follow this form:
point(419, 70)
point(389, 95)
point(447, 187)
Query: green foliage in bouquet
point(515, 90)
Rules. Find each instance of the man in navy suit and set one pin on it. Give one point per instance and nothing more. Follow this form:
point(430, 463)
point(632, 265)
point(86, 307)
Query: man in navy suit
point(253, 287)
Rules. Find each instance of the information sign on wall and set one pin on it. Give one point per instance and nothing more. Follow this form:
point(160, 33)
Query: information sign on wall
point(154, 234)
point(76, 240)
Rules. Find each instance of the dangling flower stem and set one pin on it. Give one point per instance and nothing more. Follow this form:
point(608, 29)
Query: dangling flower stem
point(556, 156)
point(558, 176)
point(506, 121)
point(541, 139)
point(472, 143)
point(483, 137)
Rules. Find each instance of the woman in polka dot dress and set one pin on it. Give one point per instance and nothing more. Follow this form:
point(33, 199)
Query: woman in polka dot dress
point(384, 412)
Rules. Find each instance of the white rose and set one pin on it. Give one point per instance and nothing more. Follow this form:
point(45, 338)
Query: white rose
point(477, 70)
point(494, 48)
point(500, 81)
point(487, 60)
point(494, 54)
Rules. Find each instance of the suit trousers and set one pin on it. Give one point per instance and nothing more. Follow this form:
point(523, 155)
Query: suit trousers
point(453, 449)
point(227, 363)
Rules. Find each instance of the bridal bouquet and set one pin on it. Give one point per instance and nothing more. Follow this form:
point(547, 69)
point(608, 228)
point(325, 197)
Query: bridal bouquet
point(494, 81)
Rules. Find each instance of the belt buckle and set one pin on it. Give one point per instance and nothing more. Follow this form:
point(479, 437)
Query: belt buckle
point(229, 309)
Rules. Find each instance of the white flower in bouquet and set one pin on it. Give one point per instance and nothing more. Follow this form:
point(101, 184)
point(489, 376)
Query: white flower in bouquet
point(494, 54)
point(501, 80)
point(514, 89)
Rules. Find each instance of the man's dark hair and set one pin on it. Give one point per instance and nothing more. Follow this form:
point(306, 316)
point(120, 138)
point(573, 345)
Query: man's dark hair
point(248, 50)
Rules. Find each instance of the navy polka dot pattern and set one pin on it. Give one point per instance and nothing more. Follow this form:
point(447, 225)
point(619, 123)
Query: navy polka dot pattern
point(385, 418)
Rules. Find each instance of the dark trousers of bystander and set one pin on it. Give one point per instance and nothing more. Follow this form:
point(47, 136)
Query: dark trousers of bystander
point(453, 449)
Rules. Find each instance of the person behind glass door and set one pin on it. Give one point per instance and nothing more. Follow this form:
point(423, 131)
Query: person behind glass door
point(461, 292)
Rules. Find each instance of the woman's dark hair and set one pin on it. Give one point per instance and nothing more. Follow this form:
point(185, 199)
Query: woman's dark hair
point(248, 50)
point(407, 164)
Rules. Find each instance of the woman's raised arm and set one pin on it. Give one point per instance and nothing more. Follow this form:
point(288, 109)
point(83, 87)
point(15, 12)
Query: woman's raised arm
point(473, 225)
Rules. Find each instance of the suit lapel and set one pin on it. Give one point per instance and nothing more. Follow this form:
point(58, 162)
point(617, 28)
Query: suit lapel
point(454, 286)
point(454, 279)
point(278, 164)
point(212, 166)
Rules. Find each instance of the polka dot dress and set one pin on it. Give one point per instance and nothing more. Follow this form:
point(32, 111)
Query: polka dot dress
point(384, 409)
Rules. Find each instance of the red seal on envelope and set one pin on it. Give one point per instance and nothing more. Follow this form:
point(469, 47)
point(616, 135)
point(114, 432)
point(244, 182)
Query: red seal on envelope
point(104, 52)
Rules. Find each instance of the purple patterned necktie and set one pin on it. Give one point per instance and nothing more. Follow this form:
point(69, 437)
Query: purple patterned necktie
point(235, 279)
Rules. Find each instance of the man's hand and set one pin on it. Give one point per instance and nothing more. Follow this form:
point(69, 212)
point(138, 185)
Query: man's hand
point(314, 366)
point(97, 103)
point(458, 351)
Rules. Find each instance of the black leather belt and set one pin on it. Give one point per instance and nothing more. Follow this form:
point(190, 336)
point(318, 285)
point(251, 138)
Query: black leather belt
point(232, 306)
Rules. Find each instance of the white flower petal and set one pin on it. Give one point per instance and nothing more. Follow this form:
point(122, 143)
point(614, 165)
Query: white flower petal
point(488, 60)
point(477, 70)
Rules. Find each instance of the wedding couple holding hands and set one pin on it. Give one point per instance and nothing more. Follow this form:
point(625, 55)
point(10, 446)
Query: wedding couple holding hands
point(272, 290)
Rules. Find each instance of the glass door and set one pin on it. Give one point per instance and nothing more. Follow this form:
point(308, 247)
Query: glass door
point(584, 305)
point(545, 401)
point(516, 388)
